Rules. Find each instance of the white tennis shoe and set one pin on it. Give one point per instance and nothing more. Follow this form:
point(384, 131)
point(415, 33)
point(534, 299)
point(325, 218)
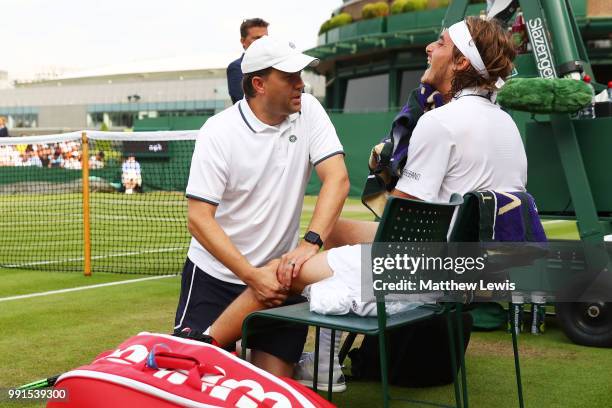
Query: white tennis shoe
point(304, 373)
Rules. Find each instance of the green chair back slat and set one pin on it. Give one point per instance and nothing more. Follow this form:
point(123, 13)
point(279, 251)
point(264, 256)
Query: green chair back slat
point(406, 220)
point(407, 224)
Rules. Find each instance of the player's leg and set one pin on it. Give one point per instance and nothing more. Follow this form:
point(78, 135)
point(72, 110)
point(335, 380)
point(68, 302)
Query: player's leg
point(228, 327)
point(271, 363)
point(279, 349)
point(351, 232)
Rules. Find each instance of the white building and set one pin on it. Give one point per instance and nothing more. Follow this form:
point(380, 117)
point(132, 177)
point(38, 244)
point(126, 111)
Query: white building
point(116, 99)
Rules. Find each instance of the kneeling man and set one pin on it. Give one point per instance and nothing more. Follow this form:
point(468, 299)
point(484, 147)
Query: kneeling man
point(249, 172)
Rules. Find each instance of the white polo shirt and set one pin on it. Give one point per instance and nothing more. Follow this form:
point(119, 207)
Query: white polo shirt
point(257, 176)
point(466, 145)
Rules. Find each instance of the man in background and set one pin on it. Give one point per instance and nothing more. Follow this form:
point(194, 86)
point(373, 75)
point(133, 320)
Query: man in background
point(250, 30)
point(3, 130)
point(97, 161)
point(131, 177)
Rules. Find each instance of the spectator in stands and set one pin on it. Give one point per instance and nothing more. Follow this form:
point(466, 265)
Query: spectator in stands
point(97, 161)
point(13, 156)
point(250, 30)
point(57, 160)
point(44, 154)
point(73, 161)
point(130, 174)
point(3, 129)
point(32, 159)
point(19, 159)
point(6, 155)
point(74, 149)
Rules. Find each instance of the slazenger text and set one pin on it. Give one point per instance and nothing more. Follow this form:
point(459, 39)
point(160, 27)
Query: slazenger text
point(540, 48)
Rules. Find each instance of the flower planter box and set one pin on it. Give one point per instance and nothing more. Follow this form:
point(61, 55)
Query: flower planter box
point(354, 30)
point(371, 26)
point(424, 19)
point(347, 31)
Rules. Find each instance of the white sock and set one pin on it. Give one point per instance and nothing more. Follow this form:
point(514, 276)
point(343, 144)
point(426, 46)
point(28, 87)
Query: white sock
point(325, 346)
point(207, 331)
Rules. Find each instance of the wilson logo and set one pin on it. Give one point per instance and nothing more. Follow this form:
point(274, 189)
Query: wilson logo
point(217, 386)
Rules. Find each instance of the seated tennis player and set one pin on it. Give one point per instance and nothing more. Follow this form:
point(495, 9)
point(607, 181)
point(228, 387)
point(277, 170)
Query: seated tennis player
point(466, 145)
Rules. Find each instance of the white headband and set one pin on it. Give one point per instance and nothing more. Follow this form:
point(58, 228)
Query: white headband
point(460, 34)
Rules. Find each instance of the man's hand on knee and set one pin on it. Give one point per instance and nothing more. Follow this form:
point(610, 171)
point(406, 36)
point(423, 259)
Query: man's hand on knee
point(266, 286)
point(291, 263)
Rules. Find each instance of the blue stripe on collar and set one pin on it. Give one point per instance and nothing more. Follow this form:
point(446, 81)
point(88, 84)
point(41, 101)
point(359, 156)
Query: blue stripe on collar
point(245, 119)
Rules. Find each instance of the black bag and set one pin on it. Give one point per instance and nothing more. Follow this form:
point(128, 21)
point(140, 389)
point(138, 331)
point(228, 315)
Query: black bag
point(418, 355)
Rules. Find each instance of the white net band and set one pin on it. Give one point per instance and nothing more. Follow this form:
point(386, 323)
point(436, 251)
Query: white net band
point(143, 136)
point(25, 140)
point(99, 135)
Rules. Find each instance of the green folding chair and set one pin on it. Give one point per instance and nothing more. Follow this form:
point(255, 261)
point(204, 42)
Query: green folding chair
point(403, 221)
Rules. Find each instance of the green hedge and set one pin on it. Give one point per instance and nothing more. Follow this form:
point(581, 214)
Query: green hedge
point(415, 5)
point(336, 21)
point(375, 10)
point(397, 7)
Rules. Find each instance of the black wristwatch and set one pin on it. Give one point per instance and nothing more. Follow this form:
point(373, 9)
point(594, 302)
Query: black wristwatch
point(313, 238)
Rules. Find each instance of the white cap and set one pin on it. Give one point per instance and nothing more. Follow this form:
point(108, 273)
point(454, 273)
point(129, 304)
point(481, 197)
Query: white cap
point(267, 52)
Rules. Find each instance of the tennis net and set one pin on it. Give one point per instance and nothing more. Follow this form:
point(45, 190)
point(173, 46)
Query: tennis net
point(95, 201)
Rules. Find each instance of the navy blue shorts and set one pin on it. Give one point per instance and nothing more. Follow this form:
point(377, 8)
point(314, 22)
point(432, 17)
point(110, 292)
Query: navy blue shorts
point(203, 298)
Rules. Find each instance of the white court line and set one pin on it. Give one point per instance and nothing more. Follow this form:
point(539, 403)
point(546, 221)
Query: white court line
point(152, 251)
point(100, 285)
point(139, 218)
point(555, 221)
point(78, 218)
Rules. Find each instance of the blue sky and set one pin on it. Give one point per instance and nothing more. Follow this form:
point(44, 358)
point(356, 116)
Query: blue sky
point(71, 35)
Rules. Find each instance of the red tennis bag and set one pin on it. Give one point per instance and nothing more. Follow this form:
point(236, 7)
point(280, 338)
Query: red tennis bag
point(159, 370)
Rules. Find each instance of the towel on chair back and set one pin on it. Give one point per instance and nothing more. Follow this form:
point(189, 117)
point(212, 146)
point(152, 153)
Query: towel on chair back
point(388, 158)
point(501, 217)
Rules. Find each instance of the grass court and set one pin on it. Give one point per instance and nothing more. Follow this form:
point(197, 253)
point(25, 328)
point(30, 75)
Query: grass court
point(47, 335)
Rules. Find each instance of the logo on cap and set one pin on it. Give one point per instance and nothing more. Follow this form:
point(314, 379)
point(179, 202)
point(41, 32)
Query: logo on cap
point(292, 45)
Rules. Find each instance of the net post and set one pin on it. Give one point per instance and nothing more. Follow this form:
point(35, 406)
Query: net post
point(86, 224)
